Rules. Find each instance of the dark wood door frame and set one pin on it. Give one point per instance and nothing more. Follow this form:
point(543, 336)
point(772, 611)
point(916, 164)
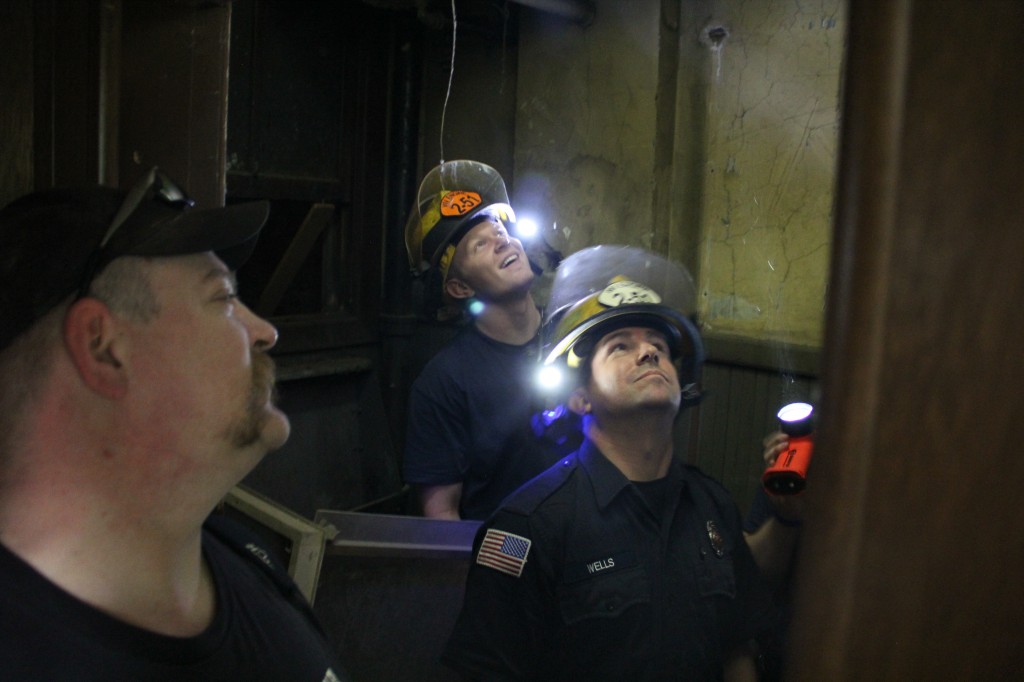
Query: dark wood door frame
point(911, 561)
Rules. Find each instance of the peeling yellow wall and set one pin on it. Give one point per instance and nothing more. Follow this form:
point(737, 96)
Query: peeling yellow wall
point(587, 135)
point(772, 131)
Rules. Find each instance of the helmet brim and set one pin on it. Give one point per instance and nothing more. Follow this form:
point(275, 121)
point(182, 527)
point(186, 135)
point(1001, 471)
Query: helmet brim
point(682, 335)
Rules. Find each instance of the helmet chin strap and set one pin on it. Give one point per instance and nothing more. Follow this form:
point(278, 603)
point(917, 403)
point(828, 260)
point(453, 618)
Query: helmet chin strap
point(691, 395)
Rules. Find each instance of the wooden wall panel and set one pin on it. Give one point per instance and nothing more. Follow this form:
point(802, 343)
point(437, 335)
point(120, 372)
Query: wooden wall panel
point(308, 124)
point(75, 51)
point(912, 556)
point(174, 94)
point(16, 68)
point(58, 123)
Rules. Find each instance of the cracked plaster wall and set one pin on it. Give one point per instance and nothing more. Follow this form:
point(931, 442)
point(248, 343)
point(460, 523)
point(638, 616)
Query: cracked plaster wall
point(584, 124)
point(586, 137)
point(768, 180)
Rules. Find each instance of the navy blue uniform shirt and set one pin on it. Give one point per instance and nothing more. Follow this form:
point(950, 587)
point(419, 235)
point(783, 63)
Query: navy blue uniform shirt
point(578, 576)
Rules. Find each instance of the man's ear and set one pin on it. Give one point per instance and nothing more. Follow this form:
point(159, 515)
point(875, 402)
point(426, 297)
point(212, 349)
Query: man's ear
point(91, 343)
point(579, 402)
point(458, 289)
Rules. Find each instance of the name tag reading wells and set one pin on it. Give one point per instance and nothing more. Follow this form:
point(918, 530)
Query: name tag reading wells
point(603, 564)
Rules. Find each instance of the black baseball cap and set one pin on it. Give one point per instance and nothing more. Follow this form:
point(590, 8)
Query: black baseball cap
point(54, 242)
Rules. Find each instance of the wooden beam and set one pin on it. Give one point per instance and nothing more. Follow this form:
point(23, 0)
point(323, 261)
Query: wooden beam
point(317, 219)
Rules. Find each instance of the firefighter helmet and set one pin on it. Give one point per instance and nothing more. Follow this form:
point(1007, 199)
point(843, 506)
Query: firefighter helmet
point(602, 288)
point(451, 195)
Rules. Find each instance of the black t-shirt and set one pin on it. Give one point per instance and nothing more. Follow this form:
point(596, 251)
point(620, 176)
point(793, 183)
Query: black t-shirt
point(578, 577)
point(261, 631)
point(470, 422)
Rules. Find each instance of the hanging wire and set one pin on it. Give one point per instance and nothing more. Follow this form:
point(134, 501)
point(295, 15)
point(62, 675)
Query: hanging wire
point(451, 75)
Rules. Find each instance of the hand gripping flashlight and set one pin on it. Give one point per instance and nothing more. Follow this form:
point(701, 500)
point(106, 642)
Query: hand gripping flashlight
point(788, 475)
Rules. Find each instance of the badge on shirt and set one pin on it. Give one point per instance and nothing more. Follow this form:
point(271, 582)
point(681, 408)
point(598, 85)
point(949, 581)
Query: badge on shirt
point(717, 541)
point(505, 552)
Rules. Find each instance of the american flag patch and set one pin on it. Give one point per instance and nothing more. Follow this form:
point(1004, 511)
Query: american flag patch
point(503, 552)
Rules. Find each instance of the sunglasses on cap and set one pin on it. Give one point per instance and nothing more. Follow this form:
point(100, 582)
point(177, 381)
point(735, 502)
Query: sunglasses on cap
point(155, 186)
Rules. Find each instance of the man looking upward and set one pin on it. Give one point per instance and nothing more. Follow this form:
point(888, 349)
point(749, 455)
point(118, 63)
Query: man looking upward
point(137, 391)
point(619, 562)
point(469, 441)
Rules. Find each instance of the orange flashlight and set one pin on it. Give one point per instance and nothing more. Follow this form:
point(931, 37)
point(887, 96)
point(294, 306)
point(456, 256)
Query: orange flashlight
point(788, 475)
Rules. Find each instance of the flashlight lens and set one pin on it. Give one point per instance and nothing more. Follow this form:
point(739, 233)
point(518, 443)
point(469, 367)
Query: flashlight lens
point(795, 412)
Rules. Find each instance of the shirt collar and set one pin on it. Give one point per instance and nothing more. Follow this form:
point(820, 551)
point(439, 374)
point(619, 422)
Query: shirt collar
point(606, 478)
point(532, 346)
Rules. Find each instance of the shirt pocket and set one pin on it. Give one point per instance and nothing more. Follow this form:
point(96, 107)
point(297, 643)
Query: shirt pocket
point(604, 596)
point(716, 577)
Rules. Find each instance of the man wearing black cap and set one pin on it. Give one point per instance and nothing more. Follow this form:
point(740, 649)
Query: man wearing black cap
point(470, 441)
point(620, 562)
point(137, 390)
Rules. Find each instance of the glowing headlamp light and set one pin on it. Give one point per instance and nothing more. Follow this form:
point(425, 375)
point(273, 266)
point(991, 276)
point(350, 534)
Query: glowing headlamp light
point(526, 228)
point(550, 378)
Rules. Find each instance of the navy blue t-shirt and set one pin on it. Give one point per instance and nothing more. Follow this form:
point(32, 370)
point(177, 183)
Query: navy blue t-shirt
point(470, 422)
